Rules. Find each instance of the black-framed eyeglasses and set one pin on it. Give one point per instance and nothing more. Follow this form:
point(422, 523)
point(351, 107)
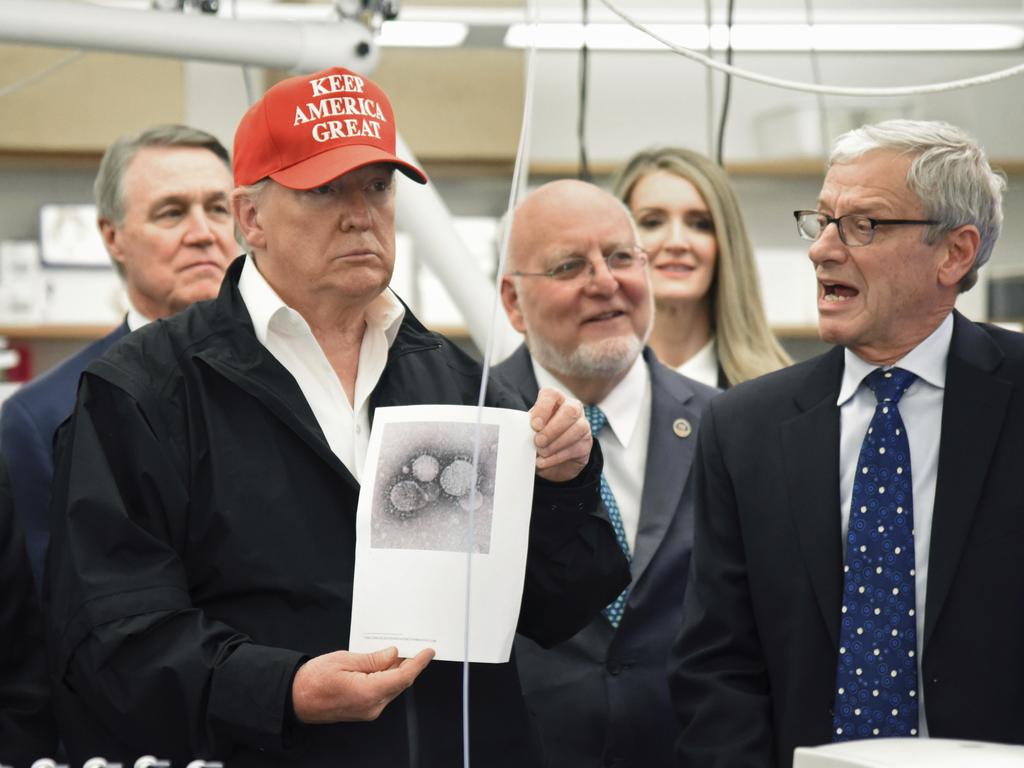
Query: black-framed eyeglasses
point(854, 230)
point(620, 259)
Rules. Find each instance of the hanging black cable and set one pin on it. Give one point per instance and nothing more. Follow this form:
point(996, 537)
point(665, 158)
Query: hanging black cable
point(727, 92)
point(583, 171)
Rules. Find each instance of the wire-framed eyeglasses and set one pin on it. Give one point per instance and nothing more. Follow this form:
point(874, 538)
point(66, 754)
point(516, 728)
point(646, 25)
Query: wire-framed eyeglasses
point(854, 229)
point(620, 259)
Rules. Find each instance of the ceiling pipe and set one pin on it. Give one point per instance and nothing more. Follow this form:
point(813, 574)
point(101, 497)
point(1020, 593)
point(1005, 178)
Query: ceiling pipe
point(422, 214)
point(294, 46)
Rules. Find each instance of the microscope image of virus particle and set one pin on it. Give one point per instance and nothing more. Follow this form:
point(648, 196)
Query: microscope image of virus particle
point(407, 498)
point(427, 490)
point(425, 468)
point(457, 478)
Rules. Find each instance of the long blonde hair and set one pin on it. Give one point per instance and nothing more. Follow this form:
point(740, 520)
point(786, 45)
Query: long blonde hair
point(747, 348)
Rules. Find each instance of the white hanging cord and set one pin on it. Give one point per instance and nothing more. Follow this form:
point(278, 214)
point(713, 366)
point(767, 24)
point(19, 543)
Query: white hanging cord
point(823, 136)
point(7, 90)
point(516, 192)
point(796, 85)
point(709, 87)
point(246, 69)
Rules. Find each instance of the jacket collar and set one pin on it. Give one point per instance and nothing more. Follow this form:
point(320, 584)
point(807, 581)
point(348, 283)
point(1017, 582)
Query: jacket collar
point(669, 458)
point(810, 454)
point(973, 413)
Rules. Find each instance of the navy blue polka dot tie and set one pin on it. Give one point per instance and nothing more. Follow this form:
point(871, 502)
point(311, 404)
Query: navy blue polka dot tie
point(876, 678)
point(613, 611)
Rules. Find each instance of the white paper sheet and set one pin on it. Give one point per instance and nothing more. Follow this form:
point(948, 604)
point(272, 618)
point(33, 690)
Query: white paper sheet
point(412, 530)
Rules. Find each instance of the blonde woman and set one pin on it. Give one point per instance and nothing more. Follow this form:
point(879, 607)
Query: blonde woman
point(710, 323)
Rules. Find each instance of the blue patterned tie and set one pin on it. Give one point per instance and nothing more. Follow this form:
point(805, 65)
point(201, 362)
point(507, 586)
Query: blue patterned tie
point(876, 679)
point(614, 610)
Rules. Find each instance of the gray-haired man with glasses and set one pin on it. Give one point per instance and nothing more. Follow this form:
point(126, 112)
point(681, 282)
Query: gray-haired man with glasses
point(858, 530)
point(577, 287)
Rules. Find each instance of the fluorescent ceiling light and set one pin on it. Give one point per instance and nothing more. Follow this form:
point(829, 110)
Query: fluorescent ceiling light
point(775, 29)
point(773, 37)
point(422, 34)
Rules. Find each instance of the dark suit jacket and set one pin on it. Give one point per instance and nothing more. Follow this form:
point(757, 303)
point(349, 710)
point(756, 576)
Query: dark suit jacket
point(601, 698)
point(754, 670)
point(28, 420)
point(27, 727)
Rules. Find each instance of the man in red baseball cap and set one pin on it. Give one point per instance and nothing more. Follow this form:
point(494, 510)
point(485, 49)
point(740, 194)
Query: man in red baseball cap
point(220, 454)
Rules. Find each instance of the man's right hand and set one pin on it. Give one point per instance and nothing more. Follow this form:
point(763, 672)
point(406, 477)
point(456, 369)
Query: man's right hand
point(343, 686)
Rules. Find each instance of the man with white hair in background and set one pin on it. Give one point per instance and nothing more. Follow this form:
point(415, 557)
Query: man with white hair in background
point(858, 532)
point(577, 286)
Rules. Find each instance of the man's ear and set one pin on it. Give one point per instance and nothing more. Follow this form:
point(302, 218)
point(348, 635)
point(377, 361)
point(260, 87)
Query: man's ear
point(247, 219)
point(111, 240)
point(510, 300)
point(961, 252)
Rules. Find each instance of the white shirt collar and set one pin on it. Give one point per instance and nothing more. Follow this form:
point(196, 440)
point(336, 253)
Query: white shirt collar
point(927, 360)
point(135, 319)
point(267, 310)
point(621, 406)
point(703, 366)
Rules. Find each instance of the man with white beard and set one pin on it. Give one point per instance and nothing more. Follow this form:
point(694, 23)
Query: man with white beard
point(577, 287)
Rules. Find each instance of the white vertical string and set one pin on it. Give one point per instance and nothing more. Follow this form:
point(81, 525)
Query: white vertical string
point(516, 192)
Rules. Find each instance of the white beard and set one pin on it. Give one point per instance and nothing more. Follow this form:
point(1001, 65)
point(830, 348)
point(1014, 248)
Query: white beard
point(598, 359)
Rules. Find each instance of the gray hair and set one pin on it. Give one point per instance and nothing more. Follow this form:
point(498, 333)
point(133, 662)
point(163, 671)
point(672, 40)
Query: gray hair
point(949, 173)
point(108, 189)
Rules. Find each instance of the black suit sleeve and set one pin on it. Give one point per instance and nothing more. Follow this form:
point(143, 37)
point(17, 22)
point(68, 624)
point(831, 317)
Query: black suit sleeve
point(574, 566)
point(717, 673)
point(27, 729)
point(25, 445)
point(129, 646)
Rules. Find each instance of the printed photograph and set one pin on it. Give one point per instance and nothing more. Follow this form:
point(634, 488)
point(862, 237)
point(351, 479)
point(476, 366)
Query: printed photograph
point(426, 487)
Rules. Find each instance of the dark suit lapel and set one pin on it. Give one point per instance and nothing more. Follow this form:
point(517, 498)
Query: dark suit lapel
point(668, 462)
point(517, 372)
point(810, 451)
point(973, 409)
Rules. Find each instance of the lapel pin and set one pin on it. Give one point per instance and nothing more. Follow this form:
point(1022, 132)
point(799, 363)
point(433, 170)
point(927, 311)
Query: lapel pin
point(682, 428)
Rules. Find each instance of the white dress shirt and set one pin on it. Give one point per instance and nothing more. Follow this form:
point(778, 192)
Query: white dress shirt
point(703, 366)
point(921, 410)
point(623, 440)
point(135, 319)
point(287, 336)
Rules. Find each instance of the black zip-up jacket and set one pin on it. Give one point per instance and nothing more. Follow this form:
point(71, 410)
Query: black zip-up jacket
point(203, 544)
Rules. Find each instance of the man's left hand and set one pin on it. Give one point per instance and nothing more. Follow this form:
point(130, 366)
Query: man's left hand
point(562, 436)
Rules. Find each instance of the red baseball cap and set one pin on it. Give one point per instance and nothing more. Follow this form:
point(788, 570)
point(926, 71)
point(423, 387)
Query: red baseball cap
point(308, 130)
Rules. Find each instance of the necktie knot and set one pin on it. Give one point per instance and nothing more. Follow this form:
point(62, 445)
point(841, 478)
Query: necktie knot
point(596, 418)
point(889, 385)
